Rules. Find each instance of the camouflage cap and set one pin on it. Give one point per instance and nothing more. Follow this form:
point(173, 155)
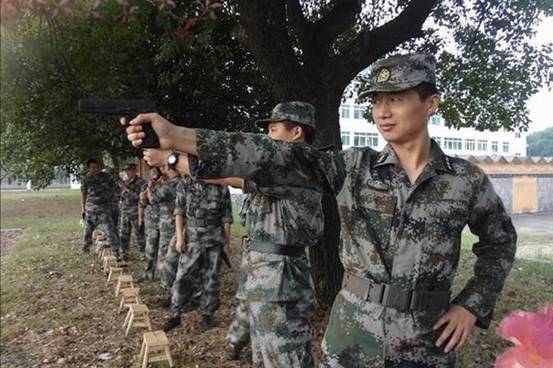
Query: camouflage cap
point(401, 72)
point(293, 111)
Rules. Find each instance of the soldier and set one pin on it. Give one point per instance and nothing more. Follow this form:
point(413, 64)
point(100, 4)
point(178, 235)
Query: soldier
point(238, 334)
point(280, 222)
point(97, 190)
point(116, 213)
point(164, 194)
point(402, 213)
point(130, 193)
point(149, 216)
point(206, 213)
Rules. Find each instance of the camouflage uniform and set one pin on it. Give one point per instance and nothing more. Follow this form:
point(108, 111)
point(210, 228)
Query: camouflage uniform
point(238, 334)
point(129, 216)
point(206, 207)
point(278, 287)
point(98, 211)
point(165, 196)
point(151, 230)
point(404, 235)
point(116, 212)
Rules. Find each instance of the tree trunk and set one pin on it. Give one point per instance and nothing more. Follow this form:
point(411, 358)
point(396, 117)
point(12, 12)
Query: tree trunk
point(327, 269)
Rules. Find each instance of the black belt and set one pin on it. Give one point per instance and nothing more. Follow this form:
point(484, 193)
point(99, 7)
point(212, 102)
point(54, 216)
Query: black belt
point(203, 223)
point(393, 296)
point(270, 247)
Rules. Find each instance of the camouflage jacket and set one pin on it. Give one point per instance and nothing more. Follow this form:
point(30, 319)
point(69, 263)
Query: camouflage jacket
point(99, 190)
point(392, 231)
point(151, 213)
point(165, 196)
point(130, 192)
point(282, 215)
point(203, 201)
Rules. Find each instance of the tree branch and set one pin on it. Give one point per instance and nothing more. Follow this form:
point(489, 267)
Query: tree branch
point(372, 44)
point(340, 19)
point(264, 33)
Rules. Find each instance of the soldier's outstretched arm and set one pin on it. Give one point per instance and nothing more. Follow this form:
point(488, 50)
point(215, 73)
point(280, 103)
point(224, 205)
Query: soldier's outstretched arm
point(245, 155)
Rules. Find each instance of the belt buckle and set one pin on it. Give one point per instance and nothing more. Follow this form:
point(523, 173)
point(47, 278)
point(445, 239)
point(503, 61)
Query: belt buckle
point(395, 297)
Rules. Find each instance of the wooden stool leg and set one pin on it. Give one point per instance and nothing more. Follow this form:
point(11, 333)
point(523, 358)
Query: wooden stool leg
point(117, 288)
point(141, 355)
point(109, 277)
point(148, 322)
point(127, 318)
point(121, 305)
point(146, 357)
point(168, 355)
point(129, 326)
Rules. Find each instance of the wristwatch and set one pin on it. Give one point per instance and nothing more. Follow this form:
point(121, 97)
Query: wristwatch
point(172, 160)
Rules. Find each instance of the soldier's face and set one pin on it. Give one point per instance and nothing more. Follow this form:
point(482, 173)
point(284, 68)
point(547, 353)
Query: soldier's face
point(402, 116)
point(279, 132)
point(131, 174)
point(94, 169)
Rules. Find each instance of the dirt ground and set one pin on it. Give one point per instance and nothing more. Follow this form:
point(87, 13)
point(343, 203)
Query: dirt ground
point(57, 312)
point(7, 239)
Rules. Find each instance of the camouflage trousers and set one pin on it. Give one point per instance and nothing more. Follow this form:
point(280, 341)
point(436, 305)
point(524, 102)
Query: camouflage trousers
point(238, 334)
point(365, 334)
point(152, 247)
point(168, 263)
point(198, 275)
point(98, 217)
point(116, 215)
point(280, 334)
point(129, 221)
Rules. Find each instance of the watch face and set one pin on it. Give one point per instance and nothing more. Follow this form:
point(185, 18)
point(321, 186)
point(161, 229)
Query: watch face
point(172, 159)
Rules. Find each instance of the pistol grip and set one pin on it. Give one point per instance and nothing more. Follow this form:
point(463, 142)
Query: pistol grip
point(151, 140)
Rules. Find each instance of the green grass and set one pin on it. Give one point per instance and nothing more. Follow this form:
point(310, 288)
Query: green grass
point(47, 284)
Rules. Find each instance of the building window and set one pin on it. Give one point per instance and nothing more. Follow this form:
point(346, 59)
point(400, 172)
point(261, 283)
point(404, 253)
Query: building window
point(505, 147)
point(494, 147)
point(365, 139)
point(344, 111)
point(470, 144)
point(517, 135)
point(435, 120)
point(438, 140)
point(358, 112)
point(453, 143)
point(345, 138)
point(482, 145)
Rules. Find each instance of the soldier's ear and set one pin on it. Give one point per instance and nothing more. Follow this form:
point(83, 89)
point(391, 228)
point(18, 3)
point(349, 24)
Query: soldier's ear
point(432, 102)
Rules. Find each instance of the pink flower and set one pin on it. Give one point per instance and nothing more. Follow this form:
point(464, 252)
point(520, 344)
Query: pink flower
point(532, 334)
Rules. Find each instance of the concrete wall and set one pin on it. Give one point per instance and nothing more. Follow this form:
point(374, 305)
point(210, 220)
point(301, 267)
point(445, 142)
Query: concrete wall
point(503, 186)
point(525, 194)
point(545, 193)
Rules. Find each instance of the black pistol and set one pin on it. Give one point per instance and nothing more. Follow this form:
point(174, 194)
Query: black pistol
point(126, 108)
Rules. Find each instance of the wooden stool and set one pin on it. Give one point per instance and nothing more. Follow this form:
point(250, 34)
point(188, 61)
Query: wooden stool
point(109, 261)
point(138, 316)
point(123, 282)
point(128, 296)
point(114, 273)
point(105, 251)
point(155, 343)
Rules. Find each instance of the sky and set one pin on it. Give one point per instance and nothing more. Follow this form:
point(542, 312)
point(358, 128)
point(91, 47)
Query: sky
point(539, 105)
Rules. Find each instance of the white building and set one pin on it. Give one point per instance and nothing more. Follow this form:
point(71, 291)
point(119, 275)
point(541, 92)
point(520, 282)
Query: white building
point(357, 131)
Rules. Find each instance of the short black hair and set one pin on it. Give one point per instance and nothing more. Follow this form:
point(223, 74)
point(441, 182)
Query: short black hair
point(91, 161)
point(308, 131)
point(425, 90)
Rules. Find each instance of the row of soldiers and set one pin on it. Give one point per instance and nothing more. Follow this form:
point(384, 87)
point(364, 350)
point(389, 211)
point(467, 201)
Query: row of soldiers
point(182, 227)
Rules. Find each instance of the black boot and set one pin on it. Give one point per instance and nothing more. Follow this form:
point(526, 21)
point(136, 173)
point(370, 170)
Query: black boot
point(164, 302)
point(207, 323)
point(233, 352)
point(171, 323)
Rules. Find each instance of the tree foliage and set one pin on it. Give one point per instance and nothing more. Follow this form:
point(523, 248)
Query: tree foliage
point(200, 74)
point(541, 143)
